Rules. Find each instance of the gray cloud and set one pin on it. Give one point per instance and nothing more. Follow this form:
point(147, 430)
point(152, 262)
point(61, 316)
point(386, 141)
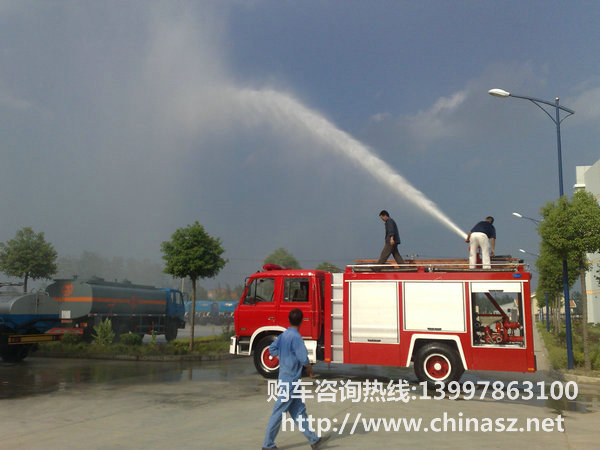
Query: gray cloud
point(122, 122)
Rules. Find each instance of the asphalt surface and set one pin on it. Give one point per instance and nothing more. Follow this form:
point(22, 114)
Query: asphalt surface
point(199, 331)
point(58, 403)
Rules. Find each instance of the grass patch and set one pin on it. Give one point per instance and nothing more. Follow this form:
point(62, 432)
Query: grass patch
point(557, 347)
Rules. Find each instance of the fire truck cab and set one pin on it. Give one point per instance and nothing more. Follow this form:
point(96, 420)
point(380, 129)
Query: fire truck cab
point(438, 314)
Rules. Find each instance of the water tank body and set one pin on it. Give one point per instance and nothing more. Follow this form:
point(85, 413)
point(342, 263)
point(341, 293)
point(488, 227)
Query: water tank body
point(29, 310)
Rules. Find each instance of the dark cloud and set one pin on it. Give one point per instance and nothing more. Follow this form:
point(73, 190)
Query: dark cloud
point(123, 121)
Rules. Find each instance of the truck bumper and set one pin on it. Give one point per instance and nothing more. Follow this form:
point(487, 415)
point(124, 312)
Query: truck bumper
point(14, 339)
point(233, 345)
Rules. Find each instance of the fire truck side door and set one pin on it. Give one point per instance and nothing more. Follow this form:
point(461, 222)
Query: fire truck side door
point(298, 292)
point(258, 309)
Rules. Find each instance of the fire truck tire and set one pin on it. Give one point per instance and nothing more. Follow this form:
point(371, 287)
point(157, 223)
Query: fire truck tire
point(266, 365)
point(438, 362)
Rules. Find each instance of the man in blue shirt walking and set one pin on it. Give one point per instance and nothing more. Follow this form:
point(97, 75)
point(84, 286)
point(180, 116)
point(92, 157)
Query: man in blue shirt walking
point(293, 356)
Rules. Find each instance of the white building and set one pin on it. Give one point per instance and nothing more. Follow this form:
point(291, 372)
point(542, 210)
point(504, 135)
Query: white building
point(588, 178)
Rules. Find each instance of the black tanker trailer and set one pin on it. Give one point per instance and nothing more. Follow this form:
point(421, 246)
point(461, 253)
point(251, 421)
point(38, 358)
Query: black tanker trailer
point(131, 307)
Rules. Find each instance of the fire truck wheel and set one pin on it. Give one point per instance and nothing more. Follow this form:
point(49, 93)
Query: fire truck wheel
point(266, 365)
point(438, 362)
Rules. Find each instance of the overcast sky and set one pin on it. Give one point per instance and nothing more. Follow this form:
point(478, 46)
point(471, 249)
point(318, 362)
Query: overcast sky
point(121, 121)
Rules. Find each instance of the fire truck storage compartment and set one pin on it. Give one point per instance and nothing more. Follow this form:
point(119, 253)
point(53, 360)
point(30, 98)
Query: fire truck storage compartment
point(372, 331)
point(499, 342)
point(434, 306)
point(374, 312)
point(497, 310)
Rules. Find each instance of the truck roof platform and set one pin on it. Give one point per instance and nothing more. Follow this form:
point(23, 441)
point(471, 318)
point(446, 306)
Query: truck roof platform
point(500, 263)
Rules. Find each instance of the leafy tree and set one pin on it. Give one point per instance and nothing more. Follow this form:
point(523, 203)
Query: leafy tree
point(571, 230)
point(327, 266)
point(193, 253)
point(283, 258)
point(28, 255)
point(550, 269)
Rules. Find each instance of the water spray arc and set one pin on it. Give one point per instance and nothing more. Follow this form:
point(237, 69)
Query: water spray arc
point(284, 107)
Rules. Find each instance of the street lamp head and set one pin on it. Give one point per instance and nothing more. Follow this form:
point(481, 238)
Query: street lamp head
point(499, 93)
point(517, 215)
point(522, 251)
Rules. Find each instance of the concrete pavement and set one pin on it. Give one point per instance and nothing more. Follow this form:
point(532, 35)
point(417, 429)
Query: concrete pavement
point(223, 405)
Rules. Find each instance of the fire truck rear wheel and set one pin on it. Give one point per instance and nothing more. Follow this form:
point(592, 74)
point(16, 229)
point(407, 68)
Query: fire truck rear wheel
point(266, 365)
point(438, 362)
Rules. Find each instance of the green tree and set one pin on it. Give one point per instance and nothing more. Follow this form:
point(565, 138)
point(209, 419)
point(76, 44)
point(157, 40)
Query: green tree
point(550, 270)
point(328, 267)
point(193, 253)
point(27, 256)
point(571, 230)
point(283, 258)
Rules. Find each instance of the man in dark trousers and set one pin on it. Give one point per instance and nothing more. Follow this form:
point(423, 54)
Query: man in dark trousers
point(392, 239)
point(293, 356)
point(481, 236)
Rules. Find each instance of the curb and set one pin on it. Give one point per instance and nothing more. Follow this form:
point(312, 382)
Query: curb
point(153, 358)
point(579, 378)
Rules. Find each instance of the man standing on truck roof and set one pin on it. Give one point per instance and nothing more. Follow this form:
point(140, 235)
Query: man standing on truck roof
point(392, 239)
point(293, 356)
point(480, 236)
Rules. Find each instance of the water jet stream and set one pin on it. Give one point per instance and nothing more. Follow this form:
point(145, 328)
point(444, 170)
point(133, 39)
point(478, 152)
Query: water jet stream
point(285, 108)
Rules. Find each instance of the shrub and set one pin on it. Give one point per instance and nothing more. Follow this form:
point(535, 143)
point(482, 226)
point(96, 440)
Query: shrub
point(70, 339)
point(558, 357)
point(130, 339)
point(595, 358)
point(103, 333)
point(180, 346)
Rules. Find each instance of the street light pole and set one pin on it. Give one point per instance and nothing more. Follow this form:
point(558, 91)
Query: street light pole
point(557, 120)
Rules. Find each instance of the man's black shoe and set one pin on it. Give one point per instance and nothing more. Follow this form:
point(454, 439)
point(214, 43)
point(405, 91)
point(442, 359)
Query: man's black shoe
point(320, 442)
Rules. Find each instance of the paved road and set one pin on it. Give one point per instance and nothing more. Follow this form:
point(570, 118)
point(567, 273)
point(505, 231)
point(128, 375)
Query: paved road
point(66, 403)
point(55, 403)
point(199, 331)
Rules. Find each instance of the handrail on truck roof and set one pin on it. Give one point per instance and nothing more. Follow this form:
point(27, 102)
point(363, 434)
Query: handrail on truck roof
point(504, 263)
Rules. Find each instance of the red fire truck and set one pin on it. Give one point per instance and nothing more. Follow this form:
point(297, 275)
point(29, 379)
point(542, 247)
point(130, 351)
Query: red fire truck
point(438, 314)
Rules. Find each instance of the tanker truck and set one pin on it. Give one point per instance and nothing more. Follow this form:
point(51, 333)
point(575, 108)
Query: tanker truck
point(24, 320)
point(131, 307)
